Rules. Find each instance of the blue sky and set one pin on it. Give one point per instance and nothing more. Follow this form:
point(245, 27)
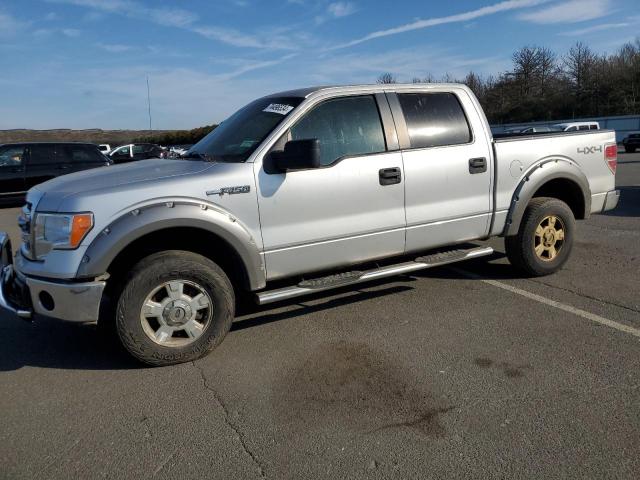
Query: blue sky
point(83, 63)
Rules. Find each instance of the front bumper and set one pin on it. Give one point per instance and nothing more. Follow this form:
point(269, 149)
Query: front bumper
point(63, 300)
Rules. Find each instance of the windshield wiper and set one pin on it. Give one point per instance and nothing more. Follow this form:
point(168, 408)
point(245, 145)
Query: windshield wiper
point(199, 156)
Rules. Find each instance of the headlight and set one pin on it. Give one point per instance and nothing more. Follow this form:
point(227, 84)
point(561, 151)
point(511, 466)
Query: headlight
point(60, 231)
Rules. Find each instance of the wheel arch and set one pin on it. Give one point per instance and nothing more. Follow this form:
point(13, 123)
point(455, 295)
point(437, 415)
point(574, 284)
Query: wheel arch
point(201, 228)
point(556, 178)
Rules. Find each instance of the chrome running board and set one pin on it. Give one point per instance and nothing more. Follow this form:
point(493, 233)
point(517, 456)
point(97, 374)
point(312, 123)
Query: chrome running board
point(330, 282)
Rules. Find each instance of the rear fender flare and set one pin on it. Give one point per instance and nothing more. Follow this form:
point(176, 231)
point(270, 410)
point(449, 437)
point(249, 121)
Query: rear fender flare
point(536, 177)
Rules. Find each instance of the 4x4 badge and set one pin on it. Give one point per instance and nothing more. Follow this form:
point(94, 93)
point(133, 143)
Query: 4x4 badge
point(589, 150)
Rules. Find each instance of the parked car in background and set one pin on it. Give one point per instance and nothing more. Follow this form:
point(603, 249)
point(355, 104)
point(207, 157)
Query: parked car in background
point(631, 142)
point(24, 165)
point(525, 129)
point(104, 148)
point(576, 126)
point(179, 149)
point(135, 151)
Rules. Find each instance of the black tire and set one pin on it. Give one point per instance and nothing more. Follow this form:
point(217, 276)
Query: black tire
point(156, 270)
point(520, 248)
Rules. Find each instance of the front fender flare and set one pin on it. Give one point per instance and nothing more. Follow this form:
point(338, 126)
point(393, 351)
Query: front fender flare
point(535, 178)
point(142, 220)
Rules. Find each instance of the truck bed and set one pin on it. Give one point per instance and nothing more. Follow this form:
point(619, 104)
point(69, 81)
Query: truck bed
point(517, 155)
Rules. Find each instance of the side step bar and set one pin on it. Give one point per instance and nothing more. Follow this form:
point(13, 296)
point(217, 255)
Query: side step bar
point(351, 278)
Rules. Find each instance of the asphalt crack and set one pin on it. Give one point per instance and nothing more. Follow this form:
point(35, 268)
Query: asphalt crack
point(231, 424)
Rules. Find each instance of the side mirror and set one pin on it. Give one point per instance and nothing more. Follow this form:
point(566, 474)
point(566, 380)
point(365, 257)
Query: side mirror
point(297, 155)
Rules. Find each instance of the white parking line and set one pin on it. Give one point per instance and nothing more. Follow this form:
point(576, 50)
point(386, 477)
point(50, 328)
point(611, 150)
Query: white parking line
point(547, 301)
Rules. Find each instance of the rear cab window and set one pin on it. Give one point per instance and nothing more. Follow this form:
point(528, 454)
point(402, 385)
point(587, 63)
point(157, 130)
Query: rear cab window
point(434, 119)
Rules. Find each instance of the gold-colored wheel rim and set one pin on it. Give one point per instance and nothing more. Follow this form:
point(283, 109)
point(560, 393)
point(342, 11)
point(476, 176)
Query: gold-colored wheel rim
point(549, 238)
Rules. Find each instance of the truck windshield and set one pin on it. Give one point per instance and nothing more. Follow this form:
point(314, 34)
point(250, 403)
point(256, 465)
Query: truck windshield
point(235, 139)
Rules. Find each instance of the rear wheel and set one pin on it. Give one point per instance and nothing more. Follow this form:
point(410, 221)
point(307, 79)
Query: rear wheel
point(174, 307)
point(545, 238)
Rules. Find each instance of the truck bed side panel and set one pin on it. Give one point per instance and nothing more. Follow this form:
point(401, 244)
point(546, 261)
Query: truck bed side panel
point(517, 157)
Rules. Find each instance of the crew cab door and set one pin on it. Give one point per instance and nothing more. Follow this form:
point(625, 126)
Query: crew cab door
point(447, 164)
point(349, 210)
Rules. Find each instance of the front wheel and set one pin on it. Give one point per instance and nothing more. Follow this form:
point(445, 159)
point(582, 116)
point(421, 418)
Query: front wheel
point(545, 238)
point(174, 307)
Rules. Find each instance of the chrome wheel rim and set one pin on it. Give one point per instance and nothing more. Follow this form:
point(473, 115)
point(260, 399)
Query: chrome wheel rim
point(549, 238)
point(176, 313)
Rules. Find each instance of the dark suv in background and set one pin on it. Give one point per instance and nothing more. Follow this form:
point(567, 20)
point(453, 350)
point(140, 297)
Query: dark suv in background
point(631, 143)
point(24, 165)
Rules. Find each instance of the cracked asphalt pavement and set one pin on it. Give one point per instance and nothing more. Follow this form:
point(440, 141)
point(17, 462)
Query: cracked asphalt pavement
point(440, 374)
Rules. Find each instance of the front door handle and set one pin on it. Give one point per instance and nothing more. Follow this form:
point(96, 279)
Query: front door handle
point(389, 176)
point(477, 165)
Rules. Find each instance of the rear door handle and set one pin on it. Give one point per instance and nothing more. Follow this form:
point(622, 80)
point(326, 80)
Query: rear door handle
point(477, 165)
point(389, 176)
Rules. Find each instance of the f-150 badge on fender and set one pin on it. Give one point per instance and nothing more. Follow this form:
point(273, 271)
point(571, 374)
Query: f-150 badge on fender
point(230, 190)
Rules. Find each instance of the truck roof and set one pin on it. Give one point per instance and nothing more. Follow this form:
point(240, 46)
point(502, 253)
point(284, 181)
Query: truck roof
point(376, 87)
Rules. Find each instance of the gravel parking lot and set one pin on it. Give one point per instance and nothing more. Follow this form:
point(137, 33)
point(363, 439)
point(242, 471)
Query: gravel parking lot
point(466, 372)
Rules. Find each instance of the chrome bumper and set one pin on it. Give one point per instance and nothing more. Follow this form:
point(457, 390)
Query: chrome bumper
point(24, 296)
point(611, 200)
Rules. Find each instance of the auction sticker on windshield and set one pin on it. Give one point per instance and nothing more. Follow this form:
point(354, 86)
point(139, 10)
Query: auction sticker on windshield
point(280, 108)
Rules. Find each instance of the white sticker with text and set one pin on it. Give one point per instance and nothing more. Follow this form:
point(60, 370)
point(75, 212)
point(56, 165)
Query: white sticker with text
point(280, 108)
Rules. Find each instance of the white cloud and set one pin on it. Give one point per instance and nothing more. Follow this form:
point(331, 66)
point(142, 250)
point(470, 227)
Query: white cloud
point(181, 18)
point(595, 28)
point(239, 39)
point(460, 17)
point(114, 47)
point(341, 9)
point(51, 16)
point(70, 32)
point(10, 25)
point(572, 11)
point(403, 63)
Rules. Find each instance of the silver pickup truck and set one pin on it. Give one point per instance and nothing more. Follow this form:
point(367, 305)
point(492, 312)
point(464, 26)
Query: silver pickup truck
point(307, 188)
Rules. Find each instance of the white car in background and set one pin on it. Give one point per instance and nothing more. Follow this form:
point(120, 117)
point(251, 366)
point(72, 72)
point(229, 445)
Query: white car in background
point(575, 126)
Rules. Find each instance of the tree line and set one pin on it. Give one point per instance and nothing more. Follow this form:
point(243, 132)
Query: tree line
point(542, 85)
point(177, 137)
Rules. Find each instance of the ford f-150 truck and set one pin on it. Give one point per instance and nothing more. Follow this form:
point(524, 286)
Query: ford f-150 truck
point(316, 189)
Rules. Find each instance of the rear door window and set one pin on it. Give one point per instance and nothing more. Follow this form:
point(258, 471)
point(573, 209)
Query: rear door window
point(434, 119)
point(80, 154)
point(42, 155)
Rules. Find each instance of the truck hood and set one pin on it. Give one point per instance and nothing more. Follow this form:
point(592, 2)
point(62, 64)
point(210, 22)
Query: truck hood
point(53, 192)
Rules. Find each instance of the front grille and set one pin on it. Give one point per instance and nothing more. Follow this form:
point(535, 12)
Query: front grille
point(26, 230)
